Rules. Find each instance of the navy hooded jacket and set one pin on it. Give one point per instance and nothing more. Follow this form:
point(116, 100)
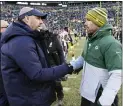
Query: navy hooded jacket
point(27, 79)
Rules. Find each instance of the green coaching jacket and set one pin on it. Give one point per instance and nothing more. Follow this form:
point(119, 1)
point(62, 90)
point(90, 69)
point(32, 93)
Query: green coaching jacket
point(102, 66)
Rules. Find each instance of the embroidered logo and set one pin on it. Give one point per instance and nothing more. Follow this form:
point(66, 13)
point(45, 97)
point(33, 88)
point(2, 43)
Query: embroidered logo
point(96, 47)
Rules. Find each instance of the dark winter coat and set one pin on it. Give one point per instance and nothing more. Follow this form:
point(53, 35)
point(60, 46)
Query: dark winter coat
point(54, 48)
point(27, 79)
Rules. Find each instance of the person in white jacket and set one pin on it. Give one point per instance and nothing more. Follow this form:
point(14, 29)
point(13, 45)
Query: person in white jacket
point(101, 60)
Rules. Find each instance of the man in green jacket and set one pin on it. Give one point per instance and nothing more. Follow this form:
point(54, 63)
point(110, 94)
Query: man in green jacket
point(101, 61)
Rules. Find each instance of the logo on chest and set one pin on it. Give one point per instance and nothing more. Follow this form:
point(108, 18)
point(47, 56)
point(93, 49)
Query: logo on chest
point(96, 47)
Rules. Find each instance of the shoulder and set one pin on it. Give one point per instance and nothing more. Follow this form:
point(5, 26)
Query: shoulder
point(109, 42)
point(18, 45)
point(21, 42)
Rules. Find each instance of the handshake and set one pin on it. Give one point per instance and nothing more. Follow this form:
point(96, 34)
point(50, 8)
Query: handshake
point(77, 64)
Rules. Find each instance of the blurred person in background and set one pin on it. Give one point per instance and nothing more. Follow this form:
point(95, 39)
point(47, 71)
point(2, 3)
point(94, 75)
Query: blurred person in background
point(64, 41)
point(54, 51)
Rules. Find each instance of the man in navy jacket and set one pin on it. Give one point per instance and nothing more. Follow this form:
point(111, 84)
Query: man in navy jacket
point(27, 79)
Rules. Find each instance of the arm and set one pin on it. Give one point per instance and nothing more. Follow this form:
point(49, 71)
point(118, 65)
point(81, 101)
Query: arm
point(111, 89)
point(113, 58)
point(26, 57)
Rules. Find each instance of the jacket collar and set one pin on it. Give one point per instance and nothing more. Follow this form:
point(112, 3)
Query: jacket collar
point(105, 30)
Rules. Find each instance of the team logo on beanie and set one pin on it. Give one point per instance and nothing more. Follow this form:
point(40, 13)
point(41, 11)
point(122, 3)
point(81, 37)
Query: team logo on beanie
point(98, 16)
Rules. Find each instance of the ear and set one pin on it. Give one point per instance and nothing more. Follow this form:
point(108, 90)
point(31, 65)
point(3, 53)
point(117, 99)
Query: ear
point(26, 19)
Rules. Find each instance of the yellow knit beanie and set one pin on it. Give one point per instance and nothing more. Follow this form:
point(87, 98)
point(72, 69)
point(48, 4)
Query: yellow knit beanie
point(97, 15)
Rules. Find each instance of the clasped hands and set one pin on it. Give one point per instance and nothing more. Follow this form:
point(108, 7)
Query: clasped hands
point(77, 64)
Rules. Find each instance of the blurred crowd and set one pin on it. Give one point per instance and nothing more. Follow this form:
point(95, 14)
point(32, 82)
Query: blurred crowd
point(71, 16)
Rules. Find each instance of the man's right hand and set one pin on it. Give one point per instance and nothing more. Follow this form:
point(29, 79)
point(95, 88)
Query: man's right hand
point(78, 63)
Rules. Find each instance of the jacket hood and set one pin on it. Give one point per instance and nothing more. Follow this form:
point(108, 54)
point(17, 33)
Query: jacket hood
point(105, 30)
point(16, 29)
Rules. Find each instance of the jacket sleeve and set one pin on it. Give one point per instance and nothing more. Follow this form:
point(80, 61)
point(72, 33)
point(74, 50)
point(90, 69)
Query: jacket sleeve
point(113, 58)
point(26, 57)
point(110, 91)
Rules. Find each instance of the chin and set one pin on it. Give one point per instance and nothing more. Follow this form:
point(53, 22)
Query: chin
point(89, 33)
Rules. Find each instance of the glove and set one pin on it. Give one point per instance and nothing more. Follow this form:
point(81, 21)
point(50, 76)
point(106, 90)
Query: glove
point(70, 68)
point(77, 70)
point(78, 63)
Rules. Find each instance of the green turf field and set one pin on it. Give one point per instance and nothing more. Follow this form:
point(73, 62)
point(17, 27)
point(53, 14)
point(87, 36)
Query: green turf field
point(71, 86)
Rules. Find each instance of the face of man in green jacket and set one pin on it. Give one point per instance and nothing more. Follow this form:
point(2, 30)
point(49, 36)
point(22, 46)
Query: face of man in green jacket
point(90, 27)
point(95, 18)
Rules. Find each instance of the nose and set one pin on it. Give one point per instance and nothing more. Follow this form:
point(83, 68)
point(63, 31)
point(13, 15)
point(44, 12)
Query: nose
point(85, 25)
point(41, 21)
